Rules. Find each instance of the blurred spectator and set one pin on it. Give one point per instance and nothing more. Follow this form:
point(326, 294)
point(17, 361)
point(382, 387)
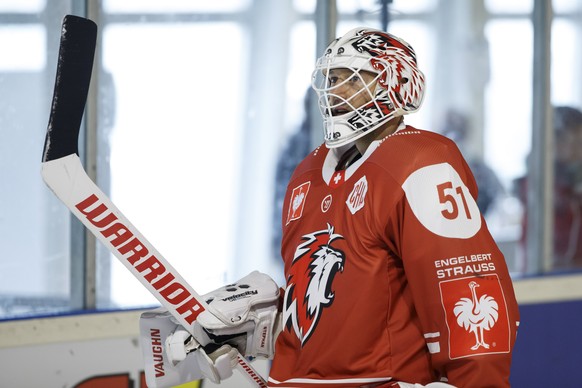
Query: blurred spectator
point(567, 122)
point(294, 150)
point(456, 127)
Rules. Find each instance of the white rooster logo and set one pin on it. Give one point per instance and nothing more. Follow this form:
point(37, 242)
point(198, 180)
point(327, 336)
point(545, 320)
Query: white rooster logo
point(477, 315)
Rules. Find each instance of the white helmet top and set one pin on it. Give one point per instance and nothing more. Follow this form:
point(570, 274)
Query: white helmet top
point(396, 90)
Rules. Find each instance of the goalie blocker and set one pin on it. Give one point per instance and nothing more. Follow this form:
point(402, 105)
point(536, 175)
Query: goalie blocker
point(174, 356)
point(155, 327)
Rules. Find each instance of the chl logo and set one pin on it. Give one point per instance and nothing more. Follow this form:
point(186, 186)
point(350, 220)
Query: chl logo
point(356, 198)
point(309, 283)
point(476, 315)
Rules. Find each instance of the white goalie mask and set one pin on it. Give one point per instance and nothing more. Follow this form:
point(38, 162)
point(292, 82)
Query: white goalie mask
point(384, 69)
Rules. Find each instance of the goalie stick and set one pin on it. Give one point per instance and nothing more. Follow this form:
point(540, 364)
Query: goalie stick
point(64, 174)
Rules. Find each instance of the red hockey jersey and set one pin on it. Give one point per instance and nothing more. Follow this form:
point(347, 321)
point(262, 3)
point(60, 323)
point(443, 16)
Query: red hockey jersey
point(392, 274)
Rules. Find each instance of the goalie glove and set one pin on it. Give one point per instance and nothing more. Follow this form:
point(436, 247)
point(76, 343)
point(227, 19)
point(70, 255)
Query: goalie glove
point(172, 356)
point(251, 308)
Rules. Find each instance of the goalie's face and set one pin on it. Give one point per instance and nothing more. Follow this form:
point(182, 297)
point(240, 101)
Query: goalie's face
point(349, 102)
point(348, 90)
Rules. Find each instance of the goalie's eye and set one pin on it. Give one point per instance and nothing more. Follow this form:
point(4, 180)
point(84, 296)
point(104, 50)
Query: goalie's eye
point(332, 80)
point(231, 289)
point(340, 76)
point(245, 286)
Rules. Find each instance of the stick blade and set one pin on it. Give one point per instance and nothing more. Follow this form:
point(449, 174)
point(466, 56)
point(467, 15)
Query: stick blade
point(74, 67)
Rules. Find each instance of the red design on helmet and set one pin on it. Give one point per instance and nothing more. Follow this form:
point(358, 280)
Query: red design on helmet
point(396, 90)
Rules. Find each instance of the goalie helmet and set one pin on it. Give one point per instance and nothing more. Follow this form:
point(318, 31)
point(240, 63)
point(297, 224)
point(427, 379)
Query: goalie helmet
point(395, 87)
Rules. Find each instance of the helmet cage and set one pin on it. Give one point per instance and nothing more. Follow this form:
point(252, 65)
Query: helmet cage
point(397, 88)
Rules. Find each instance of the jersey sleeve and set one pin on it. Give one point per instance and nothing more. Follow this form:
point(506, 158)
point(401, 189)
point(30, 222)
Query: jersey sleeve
point(457, 276)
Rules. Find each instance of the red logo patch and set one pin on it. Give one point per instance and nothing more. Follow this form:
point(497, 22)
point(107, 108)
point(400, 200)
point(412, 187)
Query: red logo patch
point(297, 202)
point(476, 315)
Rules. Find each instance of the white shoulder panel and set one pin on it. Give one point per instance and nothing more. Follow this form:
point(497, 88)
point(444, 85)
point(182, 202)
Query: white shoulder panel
point(441, 201)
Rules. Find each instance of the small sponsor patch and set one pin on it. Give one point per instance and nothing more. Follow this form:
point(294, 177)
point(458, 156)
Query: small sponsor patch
point(476, 315)
point(326, 203)
point(297, 202)
point(356, 198)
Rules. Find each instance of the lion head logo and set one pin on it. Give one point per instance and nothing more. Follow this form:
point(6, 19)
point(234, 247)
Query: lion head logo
point(309, 281)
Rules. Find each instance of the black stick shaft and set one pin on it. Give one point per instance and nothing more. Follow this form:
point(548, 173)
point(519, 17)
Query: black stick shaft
point(74, 67)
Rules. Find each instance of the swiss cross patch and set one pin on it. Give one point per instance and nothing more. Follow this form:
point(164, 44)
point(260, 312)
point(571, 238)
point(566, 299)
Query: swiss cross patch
point(476, 314)
point(337, 178)
point(297, 202)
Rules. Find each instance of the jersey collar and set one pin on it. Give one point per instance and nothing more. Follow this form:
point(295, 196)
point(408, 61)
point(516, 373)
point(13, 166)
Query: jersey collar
point(335, 178)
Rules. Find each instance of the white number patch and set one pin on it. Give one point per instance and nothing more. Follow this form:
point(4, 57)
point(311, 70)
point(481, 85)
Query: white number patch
point(441, 201)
